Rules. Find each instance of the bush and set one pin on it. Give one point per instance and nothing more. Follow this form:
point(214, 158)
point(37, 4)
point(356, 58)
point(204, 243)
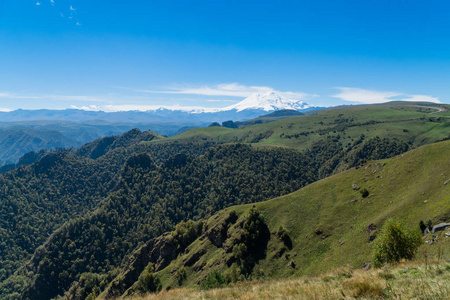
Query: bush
point(148, 281)
point(214, 280)
point(364, 192)
point(283, 235)
point(181, 275)
point(422, 226)
point(186, 232)
point(394, 243)
point(250, 246)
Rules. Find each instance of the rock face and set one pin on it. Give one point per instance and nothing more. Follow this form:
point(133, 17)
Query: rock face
point(440, 227)
point(217, 235)
point(159, 251)
point(371, 231)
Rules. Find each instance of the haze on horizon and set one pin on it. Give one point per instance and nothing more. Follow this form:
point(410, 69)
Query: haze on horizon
point(120, 55)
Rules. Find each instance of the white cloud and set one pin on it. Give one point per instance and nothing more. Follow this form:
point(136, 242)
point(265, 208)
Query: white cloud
point(422, 98)
point(371, 96)
point(71, 8)
point(138, 107)
point(364, 96)
point(226, 89)
point(216, 100)
point(38, 3)
point(86, 108)
point(52, 2)
point(2, 109)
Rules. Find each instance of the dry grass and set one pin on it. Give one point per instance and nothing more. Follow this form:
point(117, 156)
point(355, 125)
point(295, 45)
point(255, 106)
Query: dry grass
point(403, 281)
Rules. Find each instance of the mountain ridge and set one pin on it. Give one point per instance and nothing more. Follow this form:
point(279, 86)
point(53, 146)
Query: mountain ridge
point(325, 224)
point(147, 184)
point(258, 102)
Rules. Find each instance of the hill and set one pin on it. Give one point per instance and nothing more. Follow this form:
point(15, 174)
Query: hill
point(125, 190)
point(412, 123)
point(274, 116)
point(325, 225)
point(19, 138)
point(14, 143)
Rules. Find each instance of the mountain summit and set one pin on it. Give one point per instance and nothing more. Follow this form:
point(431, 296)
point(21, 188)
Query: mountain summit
point(268, 102)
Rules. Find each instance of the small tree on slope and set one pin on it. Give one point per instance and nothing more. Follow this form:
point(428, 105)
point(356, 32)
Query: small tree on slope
point(395, 242)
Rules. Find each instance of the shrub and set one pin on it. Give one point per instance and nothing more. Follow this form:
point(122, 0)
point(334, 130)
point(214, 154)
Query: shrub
point(283, 235)
point(429, 224)
point(181, 275)
point(364, 192)
point(251, 244)
point(186, 232)
point(394, 243)
point(422, 226)
point(148, 281)
point(214, 280)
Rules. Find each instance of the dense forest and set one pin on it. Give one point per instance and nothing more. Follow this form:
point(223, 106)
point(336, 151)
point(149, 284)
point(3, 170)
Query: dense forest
point(119, 192)
point(69, 212)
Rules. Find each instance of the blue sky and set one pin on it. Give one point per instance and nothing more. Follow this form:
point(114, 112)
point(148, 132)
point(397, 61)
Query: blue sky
point(118, 54)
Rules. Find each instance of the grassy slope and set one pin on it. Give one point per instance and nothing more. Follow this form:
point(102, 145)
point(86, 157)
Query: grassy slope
point(414, 186)
point(404, 281)
point(409, 122)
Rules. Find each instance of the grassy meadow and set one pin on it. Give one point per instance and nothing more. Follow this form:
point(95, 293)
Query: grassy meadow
point(407, 280)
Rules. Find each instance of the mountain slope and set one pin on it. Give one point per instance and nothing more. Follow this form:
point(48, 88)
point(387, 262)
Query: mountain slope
point(328, 223)
point(16, 142)
point(149, 183)
point(412, 123)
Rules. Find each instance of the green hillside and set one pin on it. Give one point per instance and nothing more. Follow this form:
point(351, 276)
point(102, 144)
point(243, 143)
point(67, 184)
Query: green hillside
point(329, 222)
point(123, 191)
point(16, 142)
point(414, 123)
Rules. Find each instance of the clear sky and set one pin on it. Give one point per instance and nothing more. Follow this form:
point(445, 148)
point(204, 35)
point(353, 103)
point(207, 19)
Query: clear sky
point(119, 54)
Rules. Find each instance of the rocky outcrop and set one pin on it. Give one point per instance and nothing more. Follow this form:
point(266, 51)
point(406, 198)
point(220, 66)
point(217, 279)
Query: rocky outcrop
point(159, 251)
point(440, 227)
point(371, 230)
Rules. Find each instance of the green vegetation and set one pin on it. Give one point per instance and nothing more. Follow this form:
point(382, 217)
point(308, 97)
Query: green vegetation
point(82, 221)
point(16, 142)
point(148, 282)
point(329, 222)
point(413, 280)
point(394, 243)
point(249, 242)
point(410, 123)
point(214, 280)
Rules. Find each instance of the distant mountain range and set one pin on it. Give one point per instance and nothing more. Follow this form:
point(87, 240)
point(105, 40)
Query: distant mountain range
point(253, 106)
point(23, 131)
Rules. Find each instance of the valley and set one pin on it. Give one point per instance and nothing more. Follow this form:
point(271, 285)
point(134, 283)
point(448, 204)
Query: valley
point(84, 221)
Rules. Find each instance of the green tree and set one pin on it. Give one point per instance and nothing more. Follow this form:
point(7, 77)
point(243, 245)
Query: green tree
point(214, 280)
point(394, 243)
point(148, 281)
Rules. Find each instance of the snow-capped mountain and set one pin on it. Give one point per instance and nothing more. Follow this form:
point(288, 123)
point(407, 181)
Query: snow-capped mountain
point(165, 119)
point(269, 101)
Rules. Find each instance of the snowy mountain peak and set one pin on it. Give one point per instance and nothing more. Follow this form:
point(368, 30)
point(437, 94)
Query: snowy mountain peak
point(268, 101)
